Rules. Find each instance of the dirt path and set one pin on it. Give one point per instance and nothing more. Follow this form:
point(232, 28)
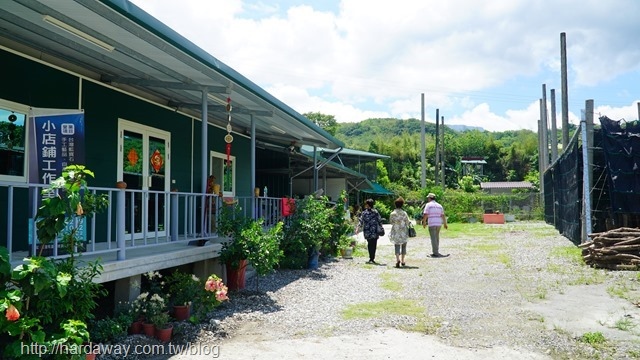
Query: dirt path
point(508, 292)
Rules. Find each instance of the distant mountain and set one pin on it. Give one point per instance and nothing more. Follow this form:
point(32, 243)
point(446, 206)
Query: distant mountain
point(461, 128)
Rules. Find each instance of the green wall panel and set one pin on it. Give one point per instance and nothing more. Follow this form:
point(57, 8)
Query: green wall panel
point(34, 84)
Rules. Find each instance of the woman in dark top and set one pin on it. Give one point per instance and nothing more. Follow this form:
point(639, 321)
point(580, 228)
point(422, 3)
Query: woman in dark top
point(369, 221)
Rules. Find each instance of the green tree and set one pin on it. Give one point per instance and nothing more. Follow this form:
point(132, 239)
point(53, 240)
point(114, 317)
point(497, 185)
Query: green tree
point(326, 122)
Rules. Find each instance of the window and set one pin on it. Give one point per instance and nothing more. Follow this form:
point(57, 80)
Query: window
point(225, 175)
point(13, 136)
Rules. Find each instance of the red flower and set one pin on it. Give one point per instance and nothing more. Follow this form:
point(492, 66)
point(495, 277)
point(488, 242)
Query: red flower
point(12, 313)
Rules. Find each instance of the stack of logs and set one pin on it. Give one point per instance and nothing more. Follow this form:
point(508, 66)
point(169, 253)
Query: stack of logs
point(617, 249)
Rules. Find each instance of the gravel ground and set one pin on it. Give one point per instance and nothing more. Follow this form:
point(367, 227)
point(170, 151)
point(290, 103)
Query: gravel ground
point(489, 295)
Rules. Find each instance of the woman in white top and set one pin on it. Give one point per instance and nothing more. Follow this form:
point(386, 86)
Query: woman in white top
point(398, 236)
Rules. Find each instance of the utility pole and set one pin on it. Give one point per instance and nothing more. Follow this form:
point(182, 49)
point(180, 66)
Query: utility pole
point(442, 156)
point(554, 129)
point(423, 177)
point(436, 163)
point(545, 126)
point(565, 94)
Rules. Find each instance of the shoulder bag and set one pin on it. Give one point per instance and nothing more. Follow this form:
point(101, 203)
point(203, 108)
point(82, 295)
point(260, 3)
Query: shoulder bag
point(411, 231)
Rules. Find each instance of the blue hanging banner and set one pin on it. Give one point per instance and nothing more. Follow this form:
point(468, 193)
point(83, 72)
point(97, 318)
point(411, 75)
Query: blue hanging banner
point(59, 141)
point(56, 141)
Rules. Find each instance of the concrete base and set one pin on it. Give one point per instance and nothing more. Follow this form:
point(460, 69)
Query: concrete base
point(148, 261)
point(127, 289)
point(127, 274)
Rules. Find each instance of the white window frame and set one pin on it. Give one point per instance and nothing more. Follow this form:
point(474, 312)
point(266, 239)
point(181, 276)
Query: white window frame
point(217, 156)
point(23, 109)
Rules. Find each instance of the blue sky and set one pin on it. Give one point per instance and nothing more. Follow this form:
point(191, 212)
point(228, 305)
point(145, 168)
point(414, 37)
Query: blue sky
point(482, 63)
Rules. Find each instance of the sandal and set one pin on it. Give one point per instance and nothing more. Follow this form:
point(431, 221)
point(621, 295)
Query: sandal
point(398, 264)
point(402, 264)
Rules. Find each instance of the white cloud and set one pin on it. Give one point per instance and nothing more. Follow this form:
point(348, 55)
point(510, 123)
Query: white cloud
point(478, 61)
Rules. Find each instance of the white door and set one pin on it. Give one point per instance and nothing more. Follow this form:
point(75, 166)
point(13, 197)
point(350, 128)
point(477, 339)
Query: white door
point(144, 164)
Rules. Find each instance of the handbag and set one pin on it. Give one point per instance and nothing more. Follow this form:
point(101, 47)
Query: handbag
point(411, 231)
point(380, 230)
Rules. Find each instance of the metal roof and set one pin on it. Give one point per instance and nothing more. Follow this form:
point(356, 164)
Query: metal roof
point(346, 157)
point(116, 42)
point(506, 185)
point(480, 162)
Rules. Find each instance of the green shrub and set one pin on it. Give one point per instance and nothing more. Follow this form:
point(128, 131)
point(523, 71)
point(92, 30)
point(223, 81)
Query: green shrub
point(308, 229)
point(107, 331)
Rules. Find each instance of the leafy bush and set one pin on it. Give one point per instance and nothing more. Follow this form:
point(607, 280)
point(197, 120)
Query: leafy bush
point(341, 229)
point(108, 330)
point(308, 229)
point(182, 288)
point(48, 302)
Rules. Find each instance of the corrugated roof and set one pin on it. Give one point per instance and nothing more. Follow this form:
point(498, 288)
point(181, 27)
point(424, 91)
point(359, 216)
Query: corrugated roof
point(117, 43)
point(506, 185)
point(376, 189)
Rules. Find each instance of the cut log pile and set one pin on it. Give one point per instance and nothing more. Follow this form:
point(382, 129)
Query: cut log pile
point(617, 249)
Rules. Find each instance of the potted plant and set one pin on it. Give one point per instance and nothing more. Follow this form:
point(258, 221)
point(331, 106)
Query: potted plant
point(263, 245)
point(308, 229)
point(234, 251)
point(162, 328)
point(183, 289)
point(213, 293)
point(150, 306)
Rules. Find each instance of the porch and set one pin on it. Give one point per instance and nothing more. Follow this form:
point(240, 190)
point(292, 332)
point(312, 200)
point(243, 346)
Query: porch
point(140, 231)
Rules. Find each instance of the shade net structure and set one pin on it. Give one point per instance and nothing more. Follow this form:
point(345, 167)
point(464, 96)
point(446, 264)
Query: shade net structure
point(563, 192)
point(621, 147)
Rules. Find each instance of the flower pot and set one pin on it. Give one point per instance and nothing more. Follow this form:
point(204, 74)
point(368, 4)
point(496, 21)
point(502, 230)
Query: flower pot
point(136, 327)
point(181, 312)
point(236, 277)
point(90, 356)
point(164, 334)
point(148, 329)
point(313, 260)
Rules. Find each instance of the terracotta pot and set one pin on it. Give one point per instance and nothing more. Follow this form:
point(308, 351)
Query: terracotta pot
point(236, 277)
point(148, 329)
point(121, 185)
point(164, 335)
point(181, 312)
point(90, 356)
point(136, 327)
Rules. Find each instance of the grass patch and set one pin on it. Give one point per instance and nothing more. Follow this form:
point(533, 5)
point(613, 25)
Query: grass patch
point(476, 230)
point(624, 324)
point(571, 253)
point(390, 283)
point(595, 339)
point(590, 277)
point(484, 247)
point(385, 307)
point(505, 259)
point(360, 250)
point(425, 325)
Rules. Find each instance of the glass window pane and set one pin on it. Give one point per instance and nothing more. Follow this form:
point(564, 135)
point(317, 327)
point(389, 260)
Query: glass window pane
point(12, 142)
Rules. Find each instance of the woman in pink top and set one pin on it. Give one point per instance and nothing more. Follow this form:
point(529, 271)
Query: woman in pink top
point(433, 216)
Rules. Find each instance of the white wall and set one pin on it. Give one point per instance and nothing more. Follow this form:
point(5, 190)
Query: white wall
point(332, 189)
